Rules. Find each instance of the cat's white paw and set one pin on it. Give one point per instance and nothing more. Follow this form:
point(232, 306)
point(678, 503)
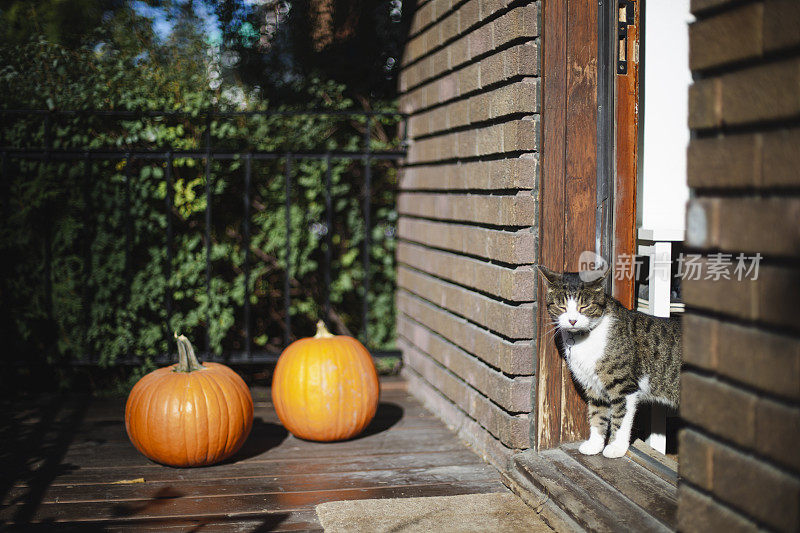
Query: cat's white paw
point(591, 447)
point(615, 450)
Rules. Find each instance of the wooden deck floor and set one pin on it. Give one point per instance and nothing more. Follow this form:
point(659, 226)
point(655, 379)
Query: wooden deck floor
point(69, 463)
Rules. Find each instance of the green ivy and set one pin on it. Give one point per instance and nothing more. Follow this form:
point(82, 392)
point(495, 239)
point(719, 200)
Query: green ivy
point(56, 214)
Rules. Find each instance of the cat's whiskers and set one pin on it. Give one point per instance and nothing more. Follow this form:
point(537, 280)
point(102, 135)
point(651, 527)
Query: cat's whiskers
point(552, 332)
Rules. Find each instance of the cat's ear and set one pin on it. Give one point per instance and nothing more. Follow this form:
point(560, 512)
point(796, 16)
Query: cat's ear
point(549, 275)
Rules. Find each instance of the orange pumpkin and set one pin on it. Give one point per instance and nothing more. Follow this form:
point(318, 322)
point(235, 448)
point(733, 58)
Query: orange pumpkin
point(189, 414)
point(325, 388)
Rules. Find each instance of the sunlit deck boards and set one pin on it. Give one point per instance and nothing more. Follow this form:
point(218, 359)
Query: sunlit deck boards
point(70, 462)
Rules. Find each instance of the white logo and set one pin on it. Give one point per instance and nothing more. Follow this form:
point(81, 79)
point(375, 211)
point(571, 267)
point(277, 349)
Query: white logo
point(591, 266)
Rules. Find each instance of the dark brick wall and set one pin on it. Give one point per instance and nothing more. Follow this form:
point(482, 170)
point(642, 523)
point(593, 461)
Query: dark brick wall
point(468, 214)
point(740, 451)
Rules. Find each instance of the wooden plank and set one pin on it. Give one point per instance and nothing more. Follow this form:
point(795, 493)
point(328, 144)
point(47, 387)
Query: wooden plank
point(115, 407)
point(42, 461)
point(551, 221)
point(629, 517)
point(304, 520)
point(97, 432)
point(258, 483)
point(581, 131)
point(110, 427)
point(393, 390)
point(538, 471)
point(627, 153)
point(166, 506)
point(105, 409)
point(585, 497)
point(275, 444)
point(75, 475)
point(267, 447)
point(581, 176)
point(113, 431)
point(657, 463)
point(647, 490)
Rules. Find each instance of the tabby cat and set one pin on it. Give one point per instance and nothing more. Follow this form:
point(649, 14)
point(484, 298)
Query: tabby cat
point(619, 357)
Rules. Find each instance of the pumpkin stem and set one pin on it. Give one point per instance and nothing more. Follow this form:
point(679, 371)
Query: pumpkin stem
point(322, 331)
point(187, 360)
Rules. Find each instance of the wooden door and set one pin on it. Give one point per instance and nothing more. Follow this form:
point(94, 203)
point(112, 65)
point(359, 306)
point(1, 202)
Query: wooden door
point(627, 152)
point(567, 193)
point(569, 185)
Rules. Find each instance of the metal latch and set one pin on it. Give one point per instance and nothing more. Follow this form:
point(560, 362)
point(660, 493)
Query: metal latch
point(625, 17)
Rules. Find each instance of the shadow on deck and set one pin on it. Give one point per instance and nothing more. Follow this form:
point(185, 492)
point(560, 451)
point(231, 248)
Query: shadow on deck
point(69, 463)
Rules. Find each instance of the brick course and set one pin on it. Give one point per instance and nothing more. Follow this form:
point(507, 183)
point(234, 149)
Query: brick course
point(512, 393)
point(511, 247)
point(511, 321)
point(513, 63)
point(468, 215)
point(516, 98)
point(719, 408)
point(762, 300)
point(762, 93)
point(759, 490)
point(760, 160)
point(756, 358)
point(520, 135)
point(481, 441)
point(512, 430)
point(734, 35)
point(739, 460)
point(476, 36)
point(515, 173)
point(515, 284)
point(510, 357)
point(699, 513)
point(764, 225)
point(511, 211)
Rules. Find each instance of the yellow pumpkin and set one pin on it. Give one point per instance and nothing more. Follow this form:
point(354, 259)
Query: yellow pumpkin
point(325, 388)
point(189, 414)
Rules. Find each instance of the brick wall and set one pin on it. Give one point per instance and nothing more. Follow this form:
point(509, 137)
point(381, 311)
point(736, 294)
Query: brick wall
point(740, 451)
point(466, 284)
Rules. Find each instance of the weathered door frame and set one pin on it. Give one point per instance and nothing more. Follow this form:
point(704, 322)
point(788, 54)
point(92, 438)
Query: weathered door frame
point(627, 157)
point(578, 194)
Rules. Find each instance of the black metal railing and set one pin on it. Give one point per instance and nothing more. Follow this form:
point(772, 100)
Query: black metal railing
point(49, 153)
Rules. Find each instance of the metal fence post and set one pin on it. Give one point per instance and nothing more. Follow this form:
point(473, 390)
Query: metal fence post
point(128, 235)
point(87, 251)
point(367, 228)
point(287, 300)
point(6, 181)
point(208, 235)
point(246, 230)
point(169, 201)
point(328, 236)
point(48, 237)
